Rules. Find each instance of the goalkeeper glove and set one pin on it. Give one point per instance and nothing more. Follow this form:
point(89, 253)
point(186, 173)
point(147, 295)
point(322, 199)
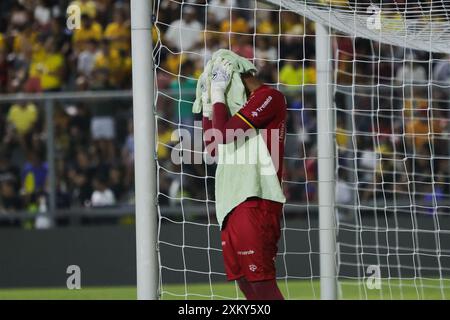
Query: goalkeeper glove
point(221, 76)
point(206, 103)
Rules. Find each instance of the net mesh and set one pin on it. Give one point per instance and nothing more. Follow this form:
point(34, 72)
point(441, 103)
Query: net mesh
point(421, 25)
point(391, 133)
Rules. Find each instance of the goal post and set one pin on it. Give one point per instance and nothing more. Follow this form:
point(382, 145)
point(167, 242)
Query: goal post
point(145, 150)
point(326, 164)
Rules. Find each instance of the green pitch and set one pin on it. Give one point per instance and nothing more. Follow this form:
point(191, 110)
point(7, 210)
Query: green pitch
point(393, 289)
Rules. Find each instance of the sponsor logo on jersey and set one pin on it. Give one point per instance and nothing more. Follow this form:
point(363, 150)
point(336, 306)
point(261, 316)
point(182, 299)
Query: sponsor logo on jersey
point(282, 131)
point(252, 267)
point(245, 253)
point(264, 105)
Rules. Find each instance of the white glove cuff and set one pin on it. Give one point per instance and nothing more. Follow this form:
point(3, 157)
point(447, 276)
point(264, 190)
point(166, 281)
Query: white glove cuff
point(217, 96)
point(207, 110)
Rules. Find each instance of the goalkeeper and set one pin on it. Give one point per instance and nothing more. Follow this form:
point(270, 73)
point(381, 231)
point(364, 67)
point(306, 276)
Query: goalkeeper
point(249, 202)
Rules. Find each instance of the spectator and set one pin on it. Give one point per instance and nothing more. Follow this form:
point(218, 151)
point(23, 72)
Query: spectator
point(19, 16)
point(237, 24)
point(103, 64)
point(102, 195)
point(118, 32)
point(24, 38)
point(47, 66)
point(411, 72)
point(264, 50)
point(86, 63)
point(80, 177)
point(87, 7)
point(90, 29)
point(185, 33)
point(9, 199)
point(103, 133)
point(116, 182)
point(293, 73)
point(18, 73)
point(78, 128)
point(220, 9)
point(111, 67)
point(266, 24)
point(34, 176)
point(42, 13)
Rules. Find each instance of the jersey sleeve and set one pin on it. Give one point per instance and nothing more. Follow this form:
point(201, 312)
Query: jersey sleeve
point(261, 108)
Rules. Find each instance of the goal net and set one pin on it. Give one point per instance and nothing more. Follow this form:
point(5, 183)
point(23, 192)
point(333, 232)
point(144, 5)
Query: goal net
point(390, 84)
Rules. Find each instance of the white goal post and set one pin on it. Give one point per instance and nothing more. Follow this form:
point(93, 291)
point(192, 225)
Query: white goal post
point(325, 165)
point(145, 150)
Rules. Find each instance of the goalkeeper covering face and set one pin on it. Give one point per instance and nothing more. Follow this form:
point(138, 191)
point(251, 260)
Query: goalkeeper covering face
point(249, 200)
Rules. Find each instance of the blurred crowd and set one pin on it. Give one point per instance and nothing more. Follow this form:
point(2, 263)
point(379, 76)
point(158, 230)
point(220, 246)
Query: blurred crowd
point(41, 52)
point(94, 140)
point(394, 121)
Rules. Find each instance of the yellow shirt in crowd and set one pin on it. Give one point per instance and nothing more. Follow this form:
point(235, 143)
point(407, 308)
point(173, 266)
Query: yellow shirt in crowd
point(297, 76)
point(117, 66)
point(342, 137)
point(420, 130)
point(238, 25)
point(119, 36)
point(86, 7)
point(266, 27)
point(22, 118)
point(22, 40)
point(81, 36)
point(164, 139)
point(45, 66)
point(51, 78)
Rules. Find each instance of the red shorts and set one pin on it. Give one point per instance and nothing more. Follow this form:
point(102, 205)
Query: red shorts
point(250, 240)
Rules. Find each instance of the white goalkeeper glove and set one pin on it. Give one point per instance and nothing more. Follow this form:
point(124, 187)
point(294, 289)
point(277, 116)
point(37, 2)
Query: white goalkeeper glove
point(206, 101)
point(220, 79)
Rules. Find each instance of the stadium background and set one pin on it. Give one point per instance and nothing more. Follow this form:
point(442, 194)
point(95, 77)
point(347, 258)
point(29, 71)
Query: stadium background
point(93, 138)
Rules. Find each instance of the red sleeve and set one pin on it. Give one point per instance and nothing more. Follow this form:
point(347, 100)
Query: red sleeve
point(257, 112)
point(261, 108)
point(226, 125)
point(220, 117)
point(207, 125)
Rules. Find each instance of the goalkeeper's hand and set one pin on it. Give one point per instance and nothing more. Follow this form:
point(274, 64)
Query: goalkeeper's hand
point(206, 102)
point(220, 79)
